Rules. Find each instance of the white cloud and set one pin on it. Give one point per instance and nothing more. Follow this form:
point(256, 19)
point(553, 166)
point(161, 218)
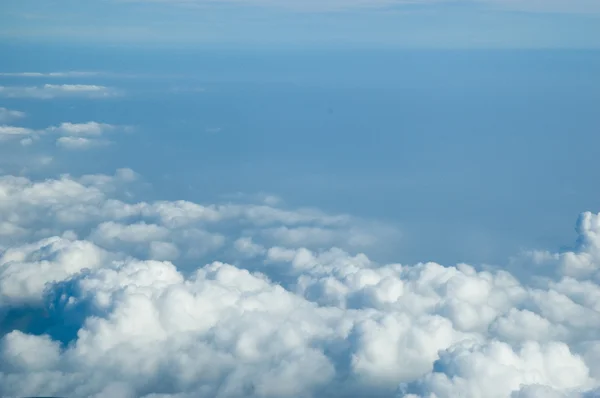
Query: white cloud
point(264, 198)
point(83, 136)
point(315, 236)
point(163, 251)
point(24, 270)
point(563, 6)
point(51, 74)
point(247, 248)
point(82, 129)
point(8, 115)
point(83, 74)
point(195, 229)
point(134, 233)
point(285, 320)
point(10, 132)
point(73, 136)
point(26, 141)
point(102, 294)
point(496, 369)
point(49, 91)
point(80, 143)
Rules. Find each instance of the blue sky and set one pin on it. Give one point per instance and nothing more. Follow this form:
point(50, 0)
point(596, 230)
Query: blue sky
point(383, 102)
point(378, 23)
point(280, 199)
point(499, 145)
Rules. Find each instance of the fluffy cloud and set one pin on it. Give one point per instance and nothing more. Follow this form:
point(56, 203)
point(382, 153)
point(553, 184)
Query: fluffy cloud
point(23, 273)
point(91, 205)
point(102, 295)
point(534, 369)
point(49, 91)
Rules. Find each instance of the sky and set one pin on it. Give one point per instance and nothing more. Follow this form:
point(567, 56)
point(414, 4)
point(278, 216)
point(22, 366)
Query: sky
point(308, 23)
point(263, 198)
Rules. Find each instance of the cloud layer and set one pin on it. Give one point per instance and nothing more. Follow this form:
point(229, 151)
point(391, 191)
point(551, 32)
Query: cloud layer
point(104, 294)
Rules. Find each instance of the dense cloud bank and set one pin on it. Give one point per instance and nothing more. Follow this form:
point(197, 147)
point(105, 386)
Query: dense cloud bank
point(102, 295)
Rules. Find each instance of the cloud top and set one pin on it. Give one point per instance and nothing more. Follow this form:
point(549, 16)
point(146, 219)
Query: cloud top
point(101, 295)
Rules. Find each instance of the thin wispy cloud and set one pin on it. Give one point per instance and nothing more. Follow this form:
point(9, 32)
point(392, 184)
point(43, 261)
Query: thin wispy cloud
point(10, 132)
point(83, 129)
point(80, 143)
point(85, 74)
point(213, 130)
point(388, 23)
point(26, 142)
point(9, 115)
point(568, 6)
point(69, 74)
point(50, 91)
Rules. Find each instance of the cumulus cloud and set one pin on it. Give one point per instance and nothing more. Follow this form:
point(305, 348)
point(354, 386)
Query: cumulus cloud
point(8, 115)
point(49, 91)
point(89, 203)
point(534, 369)
point(23, 276)
point(102, 295)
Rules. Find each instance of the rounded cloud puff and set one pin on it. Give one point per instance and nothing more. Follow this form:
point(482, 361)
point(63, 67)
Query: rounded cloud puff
point(106, 297)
